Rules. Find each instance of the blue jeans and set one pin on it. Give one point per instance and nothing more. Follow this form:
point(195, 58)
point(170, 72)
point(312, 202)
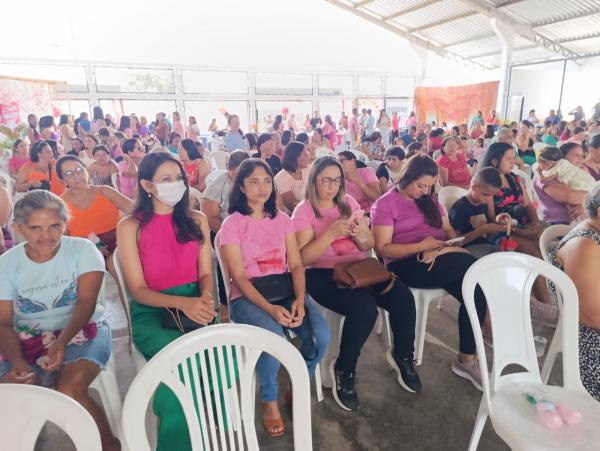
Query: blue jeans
point(313, 332)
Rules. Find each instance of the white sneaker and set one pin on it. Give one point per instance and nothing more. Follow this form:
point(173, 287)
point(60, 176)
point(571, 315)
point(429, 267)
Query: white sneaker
point(546, 314)
point(469, 370)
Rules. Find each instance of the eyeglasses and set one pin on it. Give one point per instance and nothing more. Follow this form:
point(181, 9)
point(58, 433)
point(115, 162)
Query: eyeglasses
point(328, 181)
point(72, 172)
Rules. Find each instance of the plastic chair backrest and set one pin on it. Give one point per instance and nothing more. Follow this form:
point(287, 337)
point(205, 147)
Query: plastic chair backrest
point(207, 354)
point(7, 182)
point(212, 175)
point(528, 183)
point(195, 198)
point(218, 159)
point(374, 164)
point(223, 266)
point(548, 237)
point(123, 286)
point(448, 196)
point(214, 146)
point(26, 408)
point(506, 279)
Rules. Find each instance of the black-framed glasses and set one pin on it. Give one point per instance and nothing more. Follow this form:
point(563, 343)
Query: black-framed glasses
point(330, 181)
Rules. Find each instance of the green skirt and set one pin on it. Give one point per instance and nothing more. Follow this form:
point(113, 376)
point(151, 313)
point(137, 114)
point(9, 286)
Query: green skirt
point(150, 337)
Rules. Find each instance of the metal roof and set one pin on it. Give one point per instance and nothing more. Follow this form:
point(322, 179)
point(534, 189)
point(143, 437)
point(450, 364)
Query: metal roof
point(545, 30)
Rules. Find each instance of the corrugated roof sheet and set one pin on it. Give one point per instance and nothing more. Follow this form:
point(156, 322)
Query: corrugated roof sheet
point(449, 23)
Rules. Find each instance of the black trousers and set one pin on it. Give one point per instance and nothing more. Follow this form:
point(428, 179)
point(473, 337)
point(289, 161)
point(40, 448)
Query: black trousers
point(359, 306)
point(447, 273)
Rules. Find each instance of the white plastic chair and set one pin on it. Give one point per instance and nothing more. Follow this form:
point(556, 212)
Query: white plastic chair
point(212, 175)
point(448, 196)
point(218, 159)
point(506, 278)
point(215, 145)
point(195, 198)
point(136, 356)
point(213, 425)
point(25, 409)
point(227, 284)
point(374, 164)
point(547, 243)
point(528, 184)
point(422, 299)
point(7, 181)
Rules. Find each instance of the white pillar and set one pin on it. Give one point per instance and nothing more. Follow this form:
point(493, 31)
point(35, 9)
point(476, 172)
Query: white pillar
point(422, 54)
point(505, 34)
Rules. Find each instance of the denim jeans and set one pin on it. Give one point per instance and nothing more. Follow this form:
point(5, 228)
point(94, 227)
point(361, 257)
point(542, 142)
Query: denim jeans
point(313, 332)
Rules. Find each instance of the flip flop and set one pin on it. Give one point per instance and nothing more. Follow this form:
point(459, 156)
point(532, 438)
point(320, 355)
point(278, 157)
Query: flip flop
point(274, 424)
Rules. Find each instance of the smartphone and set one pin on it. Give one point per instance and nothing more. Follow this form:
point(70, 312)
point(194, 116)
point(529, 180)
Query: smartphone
point(454, 241)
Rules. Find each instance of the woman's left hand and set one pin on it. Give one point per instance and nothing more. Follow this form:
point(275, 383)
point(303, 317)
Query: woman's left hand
point(55, 355)
point(360, 229)
point(297, 312)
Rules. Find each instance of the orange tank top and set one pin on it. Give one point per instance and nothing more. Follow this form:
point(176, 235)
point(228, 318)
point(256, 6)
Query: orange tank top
point(101, 217)
point(56, 186)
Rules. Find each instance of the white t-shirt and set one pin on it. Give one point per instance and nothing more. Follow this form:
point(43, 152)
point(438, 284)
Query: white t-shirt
point(285, 182)
point(44, 294)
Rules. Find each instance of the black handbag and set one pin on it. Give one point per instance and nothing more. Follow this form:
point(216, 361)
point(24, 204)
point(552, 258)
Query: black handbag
point(173, 318)
point(276, 288)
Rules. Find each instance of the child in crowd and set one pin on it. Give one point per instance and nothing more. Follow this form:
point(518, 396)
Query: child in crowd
point(115, 148)
point(468, 216)
point(551, 165)
point(103, 168)
point(477, 152)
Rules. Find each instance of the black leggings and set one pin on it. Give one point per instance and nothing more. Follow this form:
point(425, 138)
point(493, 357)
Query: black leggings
point(220, 282)
point(359, 306)
point(447, 273)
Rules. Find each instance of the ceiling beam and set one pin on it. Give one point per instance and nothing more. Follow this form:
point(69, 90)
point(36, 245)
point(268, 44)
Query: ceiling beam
point(415, 40)
point(442, 22)
point(362, 3)
point(580, 37)
point(508, 3)
point(472, 39)
point(576, 15)
point(498, 52)
point(523, 30)
point(412, 9)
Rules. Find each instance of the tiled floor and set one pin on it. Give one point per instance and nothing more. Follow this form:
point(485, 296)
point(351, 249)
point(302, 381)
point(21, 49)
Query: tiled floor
point(441, 417)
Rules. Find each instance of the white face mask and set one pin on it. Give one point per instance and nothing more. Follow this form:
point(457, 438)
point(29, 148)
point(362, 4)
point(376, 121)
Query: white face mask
point(170, 193)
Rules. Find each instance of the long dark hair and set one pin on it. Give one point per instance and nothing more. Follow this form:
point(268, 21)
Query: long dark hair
point(186, 228)
point(124, 123)
point(238, 202)
point(496, 152)
point(292, 152)
point(416, 167)
point(97, 113)
point(190, 147)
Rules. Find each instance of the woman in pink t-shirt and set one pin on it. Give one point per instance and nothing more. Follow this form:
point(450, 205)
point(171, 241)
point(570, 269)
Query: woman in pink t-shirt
point(409, 220)
point(331, 228)
point(133, 152)
point(361, 181)
point(20, 157)
point(453, 167)
point(257, 240)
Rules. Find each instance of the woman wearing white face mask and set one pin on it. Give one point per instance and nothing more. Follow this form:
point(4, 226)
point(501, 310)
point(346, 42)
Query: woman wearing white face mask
point(163, 233)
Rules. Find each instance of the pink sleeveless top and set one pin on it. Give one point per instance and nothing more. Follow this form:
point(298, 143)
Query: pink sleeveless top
point(166, 263)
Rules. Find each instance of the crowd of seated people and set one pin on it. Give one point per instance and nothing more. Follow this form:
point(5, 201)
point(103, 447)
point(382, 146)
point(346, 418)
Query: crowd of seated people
point(291, 204)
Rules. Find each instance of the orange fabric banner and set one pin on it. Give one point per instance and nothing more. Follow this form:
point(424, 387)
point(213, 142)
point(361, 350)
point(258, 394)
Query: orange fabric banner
point(455, 104)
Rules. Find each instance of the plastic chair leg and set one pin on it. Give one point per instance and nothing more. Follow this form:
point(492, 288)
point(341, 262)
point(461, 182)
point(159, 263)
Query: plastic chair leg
point(107, 387)
point(482, 415)
point(380, 320)
point(318, 385)
point(553, 350)
point(422, 311)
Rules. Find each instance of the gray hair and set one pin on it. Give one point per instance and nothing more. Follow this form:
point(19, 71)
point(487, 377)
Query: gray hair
point(39, 200)
point(592, 201)
point(504, 133)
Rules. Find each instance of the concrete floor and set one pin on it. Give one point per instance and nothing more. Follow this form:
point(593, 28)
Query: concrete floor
point(389, 418)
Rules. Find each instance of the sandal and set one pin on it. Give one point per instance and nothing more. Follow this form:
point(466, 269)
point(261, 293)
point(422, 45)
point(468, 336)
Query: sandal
point(274, 426)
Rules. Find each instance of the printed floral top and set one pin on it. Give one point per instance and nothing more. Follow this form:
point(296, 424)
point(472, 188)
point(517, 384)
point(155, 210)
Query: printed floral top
point(510, 199)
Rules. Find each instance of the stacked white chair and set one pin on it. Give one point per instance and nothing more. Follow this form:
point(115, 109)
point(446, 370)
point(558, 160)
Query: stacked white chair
point(547, 242)
point(506, 279)
point(227, 425)
point(25, 409)
point(218, 160)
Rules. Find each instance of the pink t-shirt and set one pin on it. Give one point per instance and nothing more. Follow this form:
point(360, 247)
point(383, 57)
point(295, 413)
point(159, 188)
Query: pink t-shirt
point(395, 123)
point(15, 163)
point(262, 242)
point(342, 249)
point(400, 212)
point(127, 184)
point(368, 176)
point(179, 128)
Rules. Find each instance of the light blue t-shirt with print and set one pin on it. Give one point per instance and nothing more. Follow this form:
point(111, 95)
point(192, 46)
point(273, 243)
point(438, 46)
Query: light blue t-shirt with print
point(44, 294)
point(235, 141)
